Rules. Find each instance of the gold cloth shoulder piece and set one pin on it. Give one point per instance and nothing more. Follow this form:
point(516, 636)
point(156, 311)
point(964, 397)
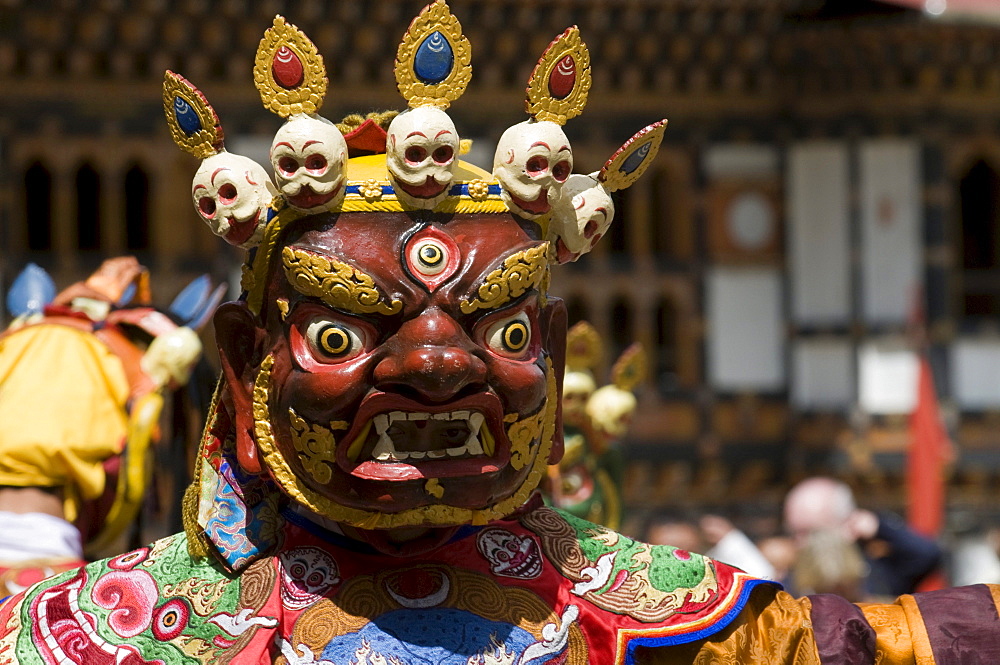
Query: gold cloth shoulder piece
point(560, 82)
point(522, 271)
point(630, 368)
point(630, 162)
point(335, 283)
point(583, 347)
point(289, 71)
point(194, 125)
point(434, 60)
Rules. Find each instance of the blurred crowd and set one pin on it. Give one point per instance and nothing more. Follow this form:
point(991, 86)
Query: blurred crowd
point(830, 544)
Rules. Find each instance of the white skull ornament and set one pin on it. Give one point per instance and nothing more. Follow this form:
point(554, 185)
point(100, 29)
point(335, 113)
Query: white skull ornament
point(308, 155)
point(532, 161)
point(510, 555)
point(231, 193)
point(421, 146)
point(580, 217)
point(306, 574)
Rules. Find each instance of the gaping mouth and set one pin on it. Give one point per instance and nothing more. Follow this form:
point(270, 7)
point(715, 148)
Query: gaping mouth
point(307, 199)
point(241, 230)
point(406, 436)
point(428, 190)
point(539, 206)
point(398, 439)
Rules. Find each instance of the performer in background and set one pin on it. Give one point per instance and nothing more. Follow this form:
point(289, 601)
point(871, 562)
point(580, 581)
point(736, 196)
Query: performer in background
point(587, 480)
point(366, 487)
point(83, 375)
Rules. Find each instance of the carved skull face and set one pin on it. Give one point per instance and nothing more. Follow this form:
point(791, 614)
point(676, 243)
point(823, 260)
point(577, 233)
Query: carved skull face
point(422, 144)
point(510, 555)
point(581, 217)
point(308, 155)
point(532, 161)
point(306, 574)
point(231, 193)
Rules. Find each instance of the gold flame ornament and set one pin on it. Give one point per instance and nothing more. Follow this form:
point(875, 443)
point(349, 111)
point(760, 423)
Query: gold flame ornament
point(633, 158)
point(289, 71)
point(434, 60)
point(194, 126)
point(560, 82)
point(630, 369)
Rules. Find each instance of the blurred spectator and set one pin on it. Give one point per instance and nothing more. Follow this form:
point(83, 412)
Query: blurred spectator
point(830, 562)
point(715, 537)
point(898, 558)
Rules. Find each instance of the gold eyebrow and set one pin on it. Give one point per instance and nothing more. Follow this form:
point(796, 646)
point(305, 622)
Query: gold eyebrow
point(521, 272)
point(335, 283)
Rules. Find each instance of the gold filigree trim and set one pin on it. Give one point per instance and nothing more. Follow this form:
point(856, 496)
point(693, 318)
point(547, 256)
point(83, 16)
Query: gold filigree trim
point(335, 283)
point(434, 18)
point(439, 514)
point(207, 141)
point(316, 446)
point(527, 269)
point(307, 96)
point(433, 487)
point(261, 415)
point(522, 434)
point(541, 103)
point(282, 304)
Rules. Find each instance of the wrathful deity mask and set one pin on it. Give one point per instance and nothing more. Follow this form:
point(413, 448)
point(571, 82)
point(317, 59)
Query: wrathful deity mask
point(396, 360)
point(380, 393)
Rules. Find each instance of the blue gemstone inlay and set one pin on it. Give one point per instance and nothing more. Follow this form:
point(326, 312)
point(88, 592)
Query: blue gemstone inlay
point(633, 161)
point(434, 59)
point(186, 116)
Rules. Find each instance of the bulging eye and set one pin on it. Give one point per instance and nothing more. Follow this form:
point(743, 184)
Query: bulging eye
point(315, 162)
point(415, 154)
point(206, 205)
point(536, 165)
point(443, 154)
point(334, 341)
point(510, 337)
point(227, 193)
point(288, 165)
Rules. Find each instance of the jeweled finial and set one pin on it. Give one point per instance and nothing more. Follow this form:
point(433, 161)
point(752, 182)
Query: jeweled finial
point(194, 125)
point(560, 82)
point(433, 62)
point(630, 162)
point(289, 71)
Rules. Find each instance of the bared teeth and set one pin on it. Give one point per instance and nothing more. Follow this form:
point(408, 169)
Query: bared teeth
point(385, 448)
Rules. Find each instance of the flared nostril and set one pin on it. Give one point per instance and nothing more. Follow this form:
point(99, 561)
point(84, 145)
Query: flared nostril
point(435, 373)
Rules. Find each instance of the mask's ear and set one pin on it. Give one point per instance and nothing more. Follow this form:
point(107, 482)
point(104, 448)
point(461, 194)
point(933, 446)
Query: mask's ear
point(239, 339)
point(552, 319)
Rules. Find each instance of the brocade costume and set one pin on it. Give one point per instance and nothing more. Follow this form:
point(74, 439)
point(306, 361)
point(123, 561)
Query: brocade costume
point(390, 400)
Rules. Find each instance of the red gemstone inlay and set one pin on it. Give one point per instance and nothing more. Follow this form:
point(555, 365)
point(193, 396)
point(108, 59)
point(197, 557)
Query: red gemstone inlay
point(563, 77)
point(287, 68)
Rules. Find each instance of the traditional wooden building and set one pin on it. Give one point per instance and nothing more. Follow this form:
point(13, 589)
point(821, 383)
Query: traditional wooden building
point(830, 168)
